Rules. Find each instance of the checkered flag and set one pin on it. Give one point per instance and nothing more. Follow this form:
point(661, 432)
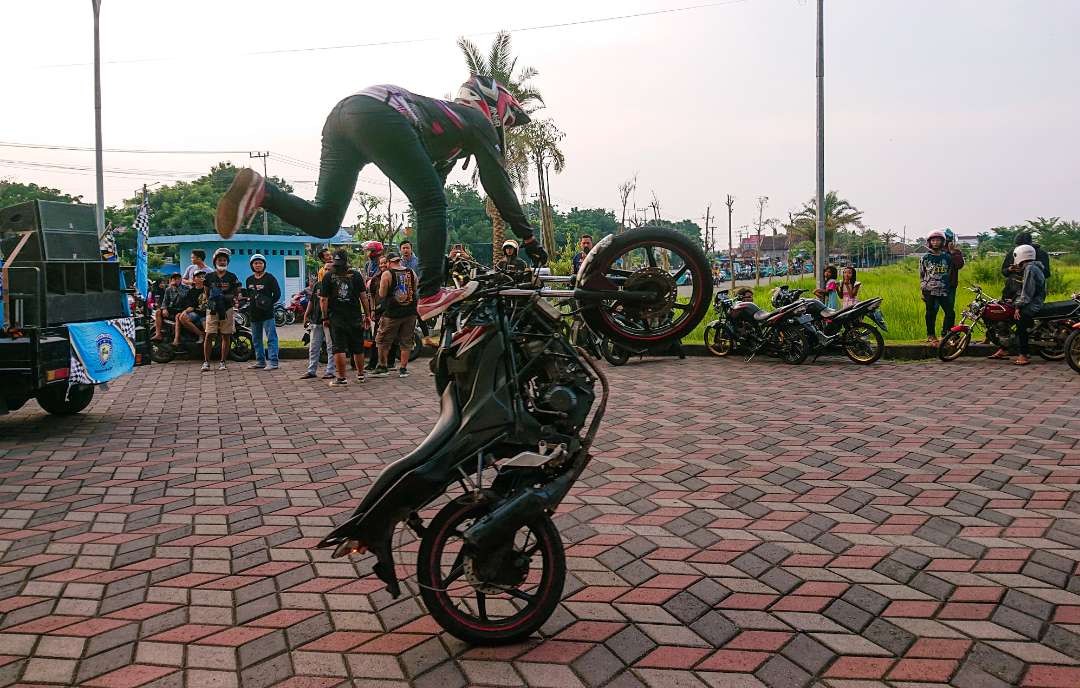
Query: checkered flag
point(142, 236)
point(107, 243)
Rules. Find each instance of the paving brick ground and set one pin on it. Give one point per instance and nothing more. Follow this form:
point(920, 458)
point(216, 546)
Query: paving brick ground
point(742, 525)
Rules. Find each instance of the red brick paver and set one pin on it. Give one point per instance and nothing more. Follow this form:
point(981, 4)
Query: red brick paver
point(741, 524)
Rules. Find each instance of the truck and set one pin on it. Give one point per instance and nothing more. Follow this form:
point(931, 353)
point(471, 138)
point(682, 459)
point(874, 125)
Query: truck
point(52, 280)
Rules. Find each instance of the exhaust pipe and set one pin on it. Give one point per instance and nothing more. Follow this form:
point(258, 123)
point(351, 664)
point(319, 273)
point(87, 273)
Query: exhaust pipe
point(501, 524)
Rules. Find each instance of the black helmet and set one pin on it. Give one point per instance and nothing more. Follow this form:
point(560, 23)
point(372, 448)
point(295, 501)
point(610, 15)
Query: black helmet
point(493, 99)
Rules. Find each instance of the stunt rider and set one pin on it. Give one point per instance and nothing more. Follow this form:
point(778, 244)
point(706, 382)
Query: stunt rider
point(415, 141)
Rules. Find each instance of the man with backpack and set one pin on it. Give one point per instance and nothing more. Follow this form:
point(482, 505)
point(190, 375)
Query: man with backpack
point(344, 304)
point(397, 290)
point(265, 292)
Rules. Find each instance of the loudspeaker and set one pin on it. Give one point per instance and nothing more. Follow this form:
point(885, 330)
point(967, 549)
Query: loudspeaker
point(62, 231)
point(56, 293)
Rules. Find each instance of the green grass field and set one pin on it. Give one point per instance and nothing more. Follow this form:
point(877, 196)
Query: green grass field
point(903, 306)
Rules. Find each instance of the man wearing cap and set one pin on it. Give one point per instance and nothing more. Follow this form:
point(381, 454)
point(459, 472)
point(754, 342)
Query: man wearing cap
point(345, 308)
point(264, 291)
point(397, 290)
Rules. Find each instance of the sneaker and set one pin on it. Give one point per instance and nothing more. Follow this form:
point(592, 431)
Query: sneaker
point(240, 202)
point(361, 378)
point(205, 366)
point(380, 372)
point(273, 366)
point(308, 376)
point(338, 381)
point(257, 366)
point(369, 366)
point(221, 366)
point(403, 372)
point(431, 306)
point(328, 375)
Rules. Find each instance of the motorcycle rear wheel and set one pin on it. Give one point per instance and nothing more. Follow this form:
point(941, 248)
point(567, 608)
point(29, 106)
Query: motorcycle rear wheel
point(1072, 350)
point(162, 352)
point(613, 353)
point(465, 605)
point(863, 344)
point(241, 348)
point(793, 346)
point(279, 317)
point(290, 318)
point(664, 318)
point(953, 345)
point(718, 341)
point(1056, 353)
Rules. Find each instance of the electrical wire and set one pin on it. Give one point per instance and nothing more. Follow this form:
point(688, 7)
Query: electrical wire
point(45, 146)
point(410, 41)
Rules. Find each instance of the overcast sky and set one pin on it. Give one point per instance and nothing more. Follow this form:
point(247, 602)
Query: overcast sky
point(958, 113)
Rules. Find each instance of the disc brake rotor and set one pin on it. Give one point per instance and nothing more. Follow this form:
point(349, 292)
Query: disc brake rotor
point(655, 280)
point(493, 577)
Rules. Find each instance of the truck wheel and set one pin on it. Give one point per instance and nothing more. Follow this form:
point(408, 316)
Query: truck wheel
point(56, 399)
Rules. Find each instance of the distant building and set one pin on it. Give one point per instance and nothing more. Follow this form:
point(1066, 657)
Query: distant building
point(970, 240)
point(284, 255)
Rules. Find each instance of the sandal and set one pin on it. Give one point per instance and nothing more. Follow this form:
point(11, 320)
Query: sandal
point(1022, 360)
point(999, 355)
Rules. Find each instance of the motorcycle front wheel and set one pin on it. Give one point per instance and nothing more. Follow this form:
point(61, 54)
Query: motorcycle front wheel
point(162, 352)
point(718, 340)
point(241, 348)
point(280, 317)
point(489, 598)
point(863, 344)
point(613, 353)
point(793, 346)
point(953, 345)
point(650, 262)
point(1072, 350)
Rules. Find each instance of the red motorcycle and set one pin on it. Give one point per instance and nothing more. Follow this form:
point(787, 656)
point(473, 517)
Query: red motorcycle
point(998, 318)
point(297, 305)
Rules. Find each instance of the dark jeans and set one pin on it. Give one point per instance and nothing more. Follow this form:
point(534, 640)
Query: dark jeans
point(946, 303)
point(1023, 330)
point(360, 130)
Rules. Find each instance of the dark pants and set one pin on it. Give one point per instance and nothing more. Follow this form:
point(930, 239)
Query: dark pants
point(360, 130)
point(1023, 330)
point(946, 303)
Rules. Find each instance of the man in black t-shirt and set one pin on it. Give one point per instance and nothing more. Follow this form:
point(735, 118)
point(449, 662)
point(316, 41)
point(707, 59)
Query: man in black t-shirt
point(192, 308)
point(265, 292)
point(345, 308)
point(222, 288)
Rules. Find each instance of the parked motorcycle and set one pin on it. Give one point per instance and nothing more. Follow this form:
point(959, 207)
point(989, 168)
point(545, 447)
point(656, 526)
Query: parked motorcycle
point(241, 346)
point(295, 309)
point(845, 329)
point(514, 433)
point(1072, 347)
point(998, 317)
point(744, 327)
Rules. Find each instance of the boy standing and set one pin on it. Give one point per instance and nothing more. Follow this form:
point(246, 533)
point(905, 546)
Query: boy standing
point(198, 264)
point(397, 290)
point(1030, 300)
point(344, 304)
point(222, 287)
point(265, 292)
point(934, 269)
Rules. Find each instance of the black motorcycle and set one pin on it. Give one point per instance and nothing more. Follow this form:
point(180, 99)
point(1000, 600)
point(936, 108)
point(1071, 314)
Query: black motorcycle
point(241, 345)
point(742, 326)
point(514, 434)
point(845, 330)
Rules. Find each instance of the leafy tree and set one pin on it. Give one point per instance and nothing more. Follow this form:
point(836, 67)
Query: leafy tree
point(840, 214)
point(12, 192)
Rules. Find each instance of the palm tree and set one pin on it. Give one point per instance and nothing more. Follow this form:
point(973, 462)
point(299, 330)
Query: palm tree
point(501, 64)
point(839, 215)
point(541, 139)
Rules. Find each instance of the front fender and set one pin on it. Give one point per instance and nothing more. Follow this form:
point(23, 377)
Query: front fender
point(960, 328)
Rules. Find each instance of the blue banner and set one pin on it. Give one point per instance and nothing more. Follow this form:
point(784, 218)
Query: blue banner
point(101, 351)
point(142, 237)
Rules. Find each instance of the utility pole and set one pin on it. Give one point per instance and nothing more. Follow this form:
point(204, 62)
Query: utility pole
point(822, 249)
point(730, 203)
point(264, 155)
point(98, 164)
point(761, 201)
point(708, 210)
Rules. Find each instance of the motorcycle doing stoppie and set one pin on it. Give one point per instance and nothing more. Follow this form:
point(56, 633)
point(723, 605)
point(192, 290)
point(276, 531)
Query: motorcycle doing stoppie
point(514, 434)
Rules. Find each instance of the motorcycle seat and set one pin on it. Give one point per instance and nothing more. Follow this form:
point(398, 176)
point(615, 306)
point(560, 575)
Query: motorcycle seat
point(445, 427)
point(1057, 309)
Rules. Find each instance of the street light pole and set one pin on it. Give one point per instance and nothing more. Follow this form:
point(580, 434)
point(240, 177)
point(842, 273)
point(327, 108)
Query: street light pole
point(822, 249)
point(99, 167)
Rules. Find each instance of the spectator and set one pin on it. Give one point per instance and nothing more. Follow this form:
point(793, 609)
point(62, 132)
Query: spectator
point(313, 318)
point(458, 265)
point(397, 289)
point(344, 305)
point(956, 264)
point(1013, 275)
point(198, 258)
point(265, 292)
point(745, 294)
point(169, 306)
point(408, 258)
point(1029, 301)
point(934, 271)
point(192, 309)
point(830, 294)
point(510, 262)
point(377, 307)
point(849, 288)
point(371, 267)
point(156, 293)
point(222, 288)
point(586, 245)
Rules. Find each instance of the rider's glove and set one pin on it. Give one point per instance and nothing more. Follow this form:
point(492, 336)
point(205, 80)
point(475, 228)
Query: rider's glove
point(536, 253)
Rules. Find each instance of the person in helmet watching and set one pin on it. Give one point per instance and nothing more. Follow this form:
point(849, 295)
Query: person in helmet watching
point(956, 264)
point(510, 262)
point(1012, 273)
point(1029, 301)
point(222, 288)
point(265, 292)
point(934, 271)
point(416, 141)
point(375, 250)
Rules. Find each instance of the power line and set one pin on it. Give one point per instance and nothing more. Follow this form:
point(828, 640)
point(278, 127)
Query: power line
point(409, 41)
point(44, 146)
